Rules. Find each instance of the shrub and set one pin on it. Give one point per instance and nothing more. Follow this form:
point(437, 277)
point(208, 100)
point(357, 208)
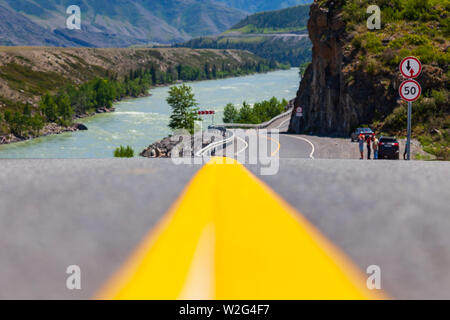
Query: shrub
point(357, 42)
point(372, 43)
point(396, 121)
point(371, 67)
point(415, 9)
point(124, 152)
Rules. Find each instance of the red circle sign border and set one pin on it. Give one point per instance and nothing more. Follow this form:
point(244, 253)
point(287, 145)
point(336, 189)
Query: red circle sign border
point(409, 76)
point(404, 83)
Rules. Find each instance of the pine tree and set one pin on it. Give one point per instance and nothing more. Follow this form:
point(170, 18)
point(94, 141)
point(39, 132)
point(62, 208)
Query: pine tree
point(49, 108)
point(64, 108)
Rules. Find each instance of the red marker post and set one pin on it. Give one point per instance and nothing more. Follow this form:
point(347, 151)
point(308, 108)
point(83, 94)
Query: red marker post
point(410, 90)
point(208, 112)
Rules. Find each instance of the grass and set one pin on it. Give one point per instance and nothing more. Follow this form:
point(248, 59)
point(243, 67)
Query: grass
point(21, 77)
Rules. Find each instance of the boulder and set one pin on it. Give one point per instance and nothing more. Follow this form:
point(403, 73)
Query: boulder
point(80, 127)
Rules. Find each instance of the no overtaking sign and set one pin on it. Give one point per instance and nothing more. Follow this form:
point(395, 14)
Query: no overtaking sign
point(411, 67)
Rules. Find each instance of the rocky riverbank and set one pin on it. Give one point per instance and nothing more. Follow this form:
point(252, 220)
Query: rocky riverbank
point(164, 147)
point(54, 128)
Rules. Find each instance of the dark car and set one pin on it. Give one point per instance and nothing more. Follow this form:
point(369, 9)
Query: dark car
point(388, 148)
point(367, 132)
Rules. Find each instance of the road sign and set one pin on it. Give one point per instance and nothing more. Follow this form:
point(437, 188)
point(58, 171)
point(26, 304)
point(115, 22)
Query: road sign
point(411, 67)
point(299, 112)
point(202, 113)
point(410, 90)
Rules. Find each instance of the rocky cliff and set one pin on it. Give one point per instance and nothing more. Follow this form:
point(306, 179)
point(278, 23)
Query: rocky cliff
point(354, 79)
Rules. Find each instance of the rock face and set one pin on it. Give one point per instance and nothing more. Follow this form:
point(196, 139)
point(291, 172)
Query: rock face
point(335, 95)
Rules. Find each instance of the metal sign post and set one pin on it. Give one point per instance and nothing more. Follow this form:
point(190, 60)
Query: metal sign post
point(408, 143)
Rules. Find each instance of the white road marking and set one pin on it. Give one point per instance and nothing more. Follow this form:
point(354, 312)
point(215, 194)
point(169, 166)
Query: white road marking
point(245, 148)
point(304, 139)
point(282, 124)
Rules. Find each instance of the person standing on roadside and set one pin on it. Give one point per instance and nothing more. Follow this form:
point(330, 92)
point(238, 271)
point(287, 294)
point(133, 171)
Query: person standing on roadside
point(369, 147)
point(375, 143)
point(361, 145)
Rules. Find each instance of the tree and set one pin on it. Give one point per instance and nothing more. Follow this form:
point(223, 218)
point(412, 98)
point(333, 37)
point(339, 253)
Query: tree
point(105, 93)
point(64, 108)
point(153, 73)
point(231, 114)
point(49, 108)
point(17, 124)
point(184, 108)
point(36, 123)
point(246, 114)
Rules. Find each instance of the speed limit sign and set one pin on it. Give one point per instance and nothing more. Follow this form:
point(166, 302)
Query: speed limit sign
point(410, 90)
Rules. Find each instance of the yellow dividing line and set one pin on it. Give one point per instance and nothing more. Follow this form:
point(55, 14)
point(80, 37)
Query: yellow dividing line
point(274, 153)
point(277, 143)
point(231, 237)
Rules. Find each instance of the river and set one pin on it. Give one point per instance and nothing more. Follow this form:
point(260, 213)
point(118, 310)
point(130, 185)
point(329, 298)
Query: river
point(140, 122)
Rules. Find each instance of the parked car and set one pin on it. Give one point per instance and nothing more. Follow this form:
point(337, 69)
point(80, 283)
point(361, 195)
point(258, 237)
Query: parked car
point(389, 148)
point(367, 132)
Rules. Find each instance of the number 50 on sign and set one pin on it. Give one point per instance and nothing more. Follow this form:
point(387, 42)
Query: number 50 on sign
point(410, 90)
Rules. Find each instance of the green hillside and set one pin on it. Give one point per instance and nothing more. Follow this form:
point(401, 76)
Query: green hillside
point(276, 35)
point(263, 5)
point(418, 28)
point(288, 20)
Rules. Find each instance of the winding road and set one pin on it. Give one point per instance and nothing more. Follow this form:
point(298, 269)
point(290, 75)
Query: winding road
point(142, 228)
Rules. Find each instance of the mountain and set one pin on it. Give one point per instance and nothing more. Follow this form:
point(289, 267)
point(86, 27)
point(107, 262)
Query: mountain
point(263, 5)
point(354, 76)
point(16, 29)
point(116, 23)
point(275, 35)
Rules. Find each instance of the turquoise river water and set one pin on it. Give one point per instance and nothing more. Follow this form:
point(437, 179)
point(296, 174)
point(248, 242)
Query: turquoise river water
point(140, 122)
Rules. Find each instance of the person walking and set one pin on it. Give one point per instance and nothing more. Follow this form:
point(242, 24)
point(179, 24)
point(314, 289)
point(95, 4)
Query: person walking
point(375, 143)
point(361, 145)
point(369, 147)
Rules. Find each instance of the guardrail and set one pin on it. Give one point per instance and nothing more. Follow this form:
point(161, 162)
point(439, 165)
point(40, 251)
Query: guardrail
point(225, 126)
point(214, 145)
point(255, 126)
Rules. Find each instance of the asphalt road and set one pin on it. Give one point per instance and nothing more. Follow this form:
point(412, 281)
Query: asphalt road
point(92, 213)
point(279, 144)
